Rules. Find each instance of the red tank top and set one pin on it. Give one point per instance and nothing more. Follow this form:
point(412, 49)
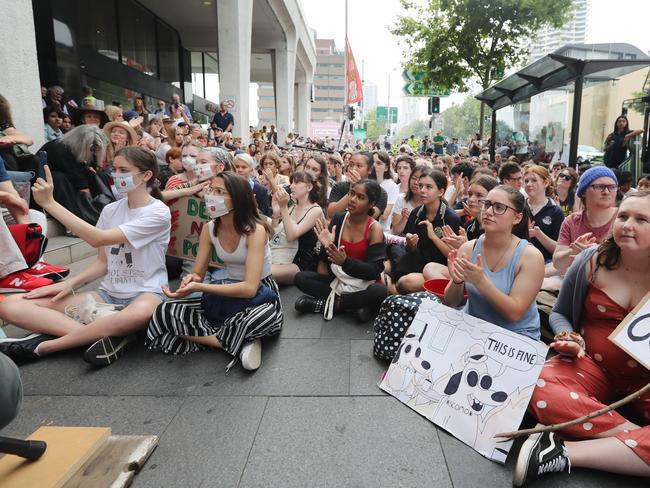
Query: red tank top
point(357, 250)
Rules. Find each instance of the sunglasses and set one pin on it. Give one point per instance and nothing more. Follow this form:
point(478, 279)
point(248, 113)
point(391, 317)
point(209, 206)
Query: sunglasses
point(565, 177)
point(497, 208)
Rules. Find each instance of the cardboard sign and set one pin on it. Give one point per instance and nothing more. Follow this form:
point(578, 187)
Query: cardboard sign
point(468, 376)
point(188, 218)
point(633, 333)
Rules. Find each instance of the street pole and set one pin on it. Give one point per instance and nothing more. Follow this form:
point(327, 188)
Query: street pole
point(388, 118)
point(347, 81)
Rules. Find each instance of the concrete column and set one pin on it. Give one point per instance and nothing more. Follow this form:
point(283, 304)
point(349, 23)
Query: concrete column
point(235, 22)
point(303, 111)
point(19, 76)
point(283, 81)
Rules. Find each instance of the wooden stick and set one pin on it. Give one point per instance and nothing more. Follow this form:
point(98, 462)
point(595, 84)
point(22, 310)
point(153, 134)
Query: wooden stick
point(554, 427)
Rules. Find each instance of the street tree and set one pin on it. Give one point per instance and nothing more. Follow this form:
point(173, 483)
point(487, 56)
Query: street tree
point(417, 128)
point(462, 121)
point(457, 43)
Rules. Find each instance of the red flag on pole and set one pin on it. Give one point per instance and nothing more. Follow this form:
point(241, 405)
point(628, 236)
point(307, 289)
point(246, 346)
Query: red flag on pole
point(353, 80)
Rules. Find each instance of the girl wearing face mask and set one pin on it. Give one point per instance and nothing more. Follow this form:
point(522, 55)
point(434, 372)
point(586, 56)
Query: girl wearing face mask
point(294, 244)
point(132, 236)
point(235, 313)
point(501, 272)
point(187, 182)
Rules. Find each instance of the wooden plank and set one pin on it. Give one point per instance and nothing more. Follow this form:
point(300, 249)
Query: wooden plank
point(68, 448)
point(116, 464)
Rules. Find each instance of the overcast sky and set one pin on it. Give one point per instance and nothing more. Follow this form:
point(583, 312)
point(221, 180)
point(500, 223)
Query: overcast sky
point(377, 50)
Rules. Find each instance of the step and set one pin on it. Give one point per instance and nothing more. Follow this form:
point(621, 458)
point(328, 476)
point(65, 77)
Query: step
point(54, 228)
point(75, 268)
point(63, 250)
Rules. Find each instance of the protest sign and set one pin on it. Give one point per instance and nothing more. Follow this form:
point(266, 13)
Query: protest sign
point(633, 333)
point(470, 377)
point(188, 217)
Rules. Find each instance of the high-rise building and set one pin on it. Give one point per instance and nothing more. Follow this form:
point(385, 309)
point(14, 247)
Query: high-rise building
point(329, 92)
point(369, 96)
point(548, 39)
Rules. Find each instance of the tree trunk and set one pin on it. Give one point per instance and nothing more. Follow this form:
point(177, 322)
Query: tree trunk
point(481, 122)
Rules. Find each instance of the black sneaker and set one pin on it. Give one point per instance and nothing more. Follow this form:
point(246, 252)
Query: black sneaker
point(363, 315)
point(107, 350)
point(307, 304)
point(541, 453)
point(22, 349)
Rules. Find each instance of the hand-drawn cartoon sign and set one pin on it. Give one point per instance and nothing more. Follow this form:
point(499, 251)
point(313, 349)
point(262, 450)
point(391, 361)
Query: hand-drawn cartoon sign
point(468, 376)
point(633, 333)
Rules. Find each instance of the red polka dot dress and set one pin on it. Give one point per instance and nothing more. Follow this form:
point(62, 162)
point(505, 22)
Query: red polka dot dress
point(569, 388)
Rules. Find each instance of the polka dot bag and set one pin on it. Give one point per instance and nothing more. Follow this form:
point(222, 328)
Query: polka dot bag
point(394, 318)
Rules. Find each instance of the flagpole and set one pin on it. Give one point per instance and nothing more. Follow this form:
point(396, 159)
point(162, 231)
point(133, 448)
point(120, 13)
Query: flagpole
point(347, 81)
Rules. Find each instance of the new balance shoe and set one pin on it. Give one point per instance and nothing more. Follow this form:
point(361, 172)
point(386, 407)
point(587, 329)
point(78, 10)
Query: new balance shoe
point(251, 355)
point(24, 348)
point(307, 304)
point(21, 281)
point(45, 270)
point(107, 350)
point(541, 453)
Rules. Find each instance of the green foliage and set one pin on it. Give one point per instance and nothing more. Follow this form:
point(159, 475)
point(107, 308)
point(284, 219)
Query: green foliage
point(457, 41)
point(418, 128)
point(463, 121)
point(374, 129)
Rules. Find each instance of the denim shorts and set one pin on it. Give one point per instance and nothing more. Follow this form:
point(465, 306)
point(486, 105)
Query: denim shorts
point(123, 302)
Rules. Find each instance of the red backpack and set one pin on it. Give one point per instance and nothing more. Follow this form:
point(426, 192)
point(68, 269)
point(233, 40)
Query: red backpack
point(30, 240)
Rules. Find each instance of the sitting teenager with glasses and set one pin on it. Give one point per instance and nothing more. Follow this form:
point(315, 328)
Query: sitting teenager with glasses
point(565, 191)
point(510, 174)
point(580, 230)
point(501, 272)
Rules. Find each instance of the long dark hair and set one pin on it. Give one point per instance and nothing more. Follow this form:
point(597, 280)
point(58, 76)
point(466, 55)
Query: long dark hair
point(5, 112)
point(438, 178)
point(627, 123)
point(304, 177)
point(372, 189)
point(418, 169)
point(246, 214)
point(323, 180)
point(144, 160)
point(384, 157)
point(518, 202)
point(609, 253)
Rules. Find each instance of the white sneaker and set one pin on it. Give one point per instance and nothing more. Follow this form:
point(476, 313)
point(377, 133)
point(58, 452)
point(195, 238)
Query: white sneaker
point(251, 355)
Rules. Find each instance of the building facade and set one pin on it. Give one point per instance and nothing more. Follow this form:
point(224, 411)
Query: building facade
point(548, 39)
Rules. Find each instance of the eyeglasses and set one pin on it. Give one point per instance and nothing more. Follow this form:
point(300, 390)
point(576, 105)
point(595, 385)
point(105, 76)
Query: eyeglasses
point(513, 178)
point(602, 188)
point(497, 208)
point(565, 176)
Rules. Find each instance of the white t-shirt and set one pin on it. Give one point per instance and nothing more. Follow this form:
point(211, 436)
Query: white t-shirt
point(392, 192)
point(401, 204)
point(138, 265)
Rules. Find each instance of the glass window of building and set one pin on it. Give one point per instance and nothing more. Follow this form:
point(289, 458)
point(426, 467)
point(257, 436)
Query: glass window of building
point(168, 54)
point(137, 34)
point(99, 29)
point(211, 66)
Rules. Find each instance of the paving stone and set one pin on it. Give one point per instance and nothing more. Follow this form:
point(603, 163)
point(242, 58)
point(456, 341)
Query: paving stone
point(206, 444)
point(365, 369)
point(360, 442)
point(124, 414)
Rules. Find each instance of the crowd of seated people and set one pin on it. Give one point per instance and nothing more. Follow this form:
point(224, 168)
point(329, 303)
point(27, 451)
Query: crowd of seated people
point(350, 230)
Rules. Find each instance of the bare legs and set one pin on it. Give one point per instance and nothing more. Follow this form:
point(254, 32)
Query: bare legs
point(284, 274)
point(606, 454)
point(210, 341)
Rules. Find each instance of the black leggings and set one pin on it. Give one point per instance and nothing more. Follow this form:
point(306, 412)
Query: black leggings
point(318, 286)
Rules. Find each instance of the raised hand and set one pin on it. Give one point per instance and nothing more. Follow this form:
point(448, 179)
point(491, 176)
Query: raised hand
point(353, 176)
point(412, 241)
point(452, 240)
point(472, 273)
point(583, 242)
point(282, 197)
point(43, 189)
point(336, 255)
point(455, 272)
point(430, 232)
point(325, 236)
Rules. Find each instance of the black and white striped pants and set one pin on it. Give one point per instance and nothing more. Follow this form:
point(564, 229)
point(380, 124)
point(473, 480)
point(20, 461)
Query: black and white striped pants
point(177, 318)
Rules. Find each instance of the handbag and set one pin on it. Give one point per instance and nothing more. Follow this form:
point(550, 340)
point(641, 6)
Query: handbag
point(30, 241)
point(217, 308)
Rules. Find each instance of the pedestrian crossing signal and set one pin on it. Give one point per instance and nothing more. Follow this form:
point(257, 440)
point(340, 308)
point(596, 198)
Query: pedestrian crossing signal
point(434, 105)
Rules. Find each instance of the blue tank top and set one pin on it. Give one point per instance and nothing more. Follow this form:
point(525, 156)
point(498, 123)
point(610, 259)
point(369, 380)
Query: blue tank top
point(479, 307)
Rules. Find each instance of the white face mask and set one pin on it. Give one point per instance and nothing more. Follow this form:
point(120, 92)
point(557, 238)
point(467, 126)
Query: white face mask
point(215, 205)
point(189, 163)
point(124, 182)
point(203, 171)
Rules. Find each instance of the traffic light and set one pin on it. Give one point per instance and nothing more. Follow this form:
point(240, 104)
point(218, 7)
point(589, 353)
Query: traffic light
point(435, 105)
point(351, 113)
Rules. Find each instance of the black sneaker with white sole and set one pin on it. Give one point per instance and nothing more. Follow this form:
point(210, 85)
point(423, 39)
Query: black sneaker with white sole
point(23, 349)
point(540, 454)
point(107, 350)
